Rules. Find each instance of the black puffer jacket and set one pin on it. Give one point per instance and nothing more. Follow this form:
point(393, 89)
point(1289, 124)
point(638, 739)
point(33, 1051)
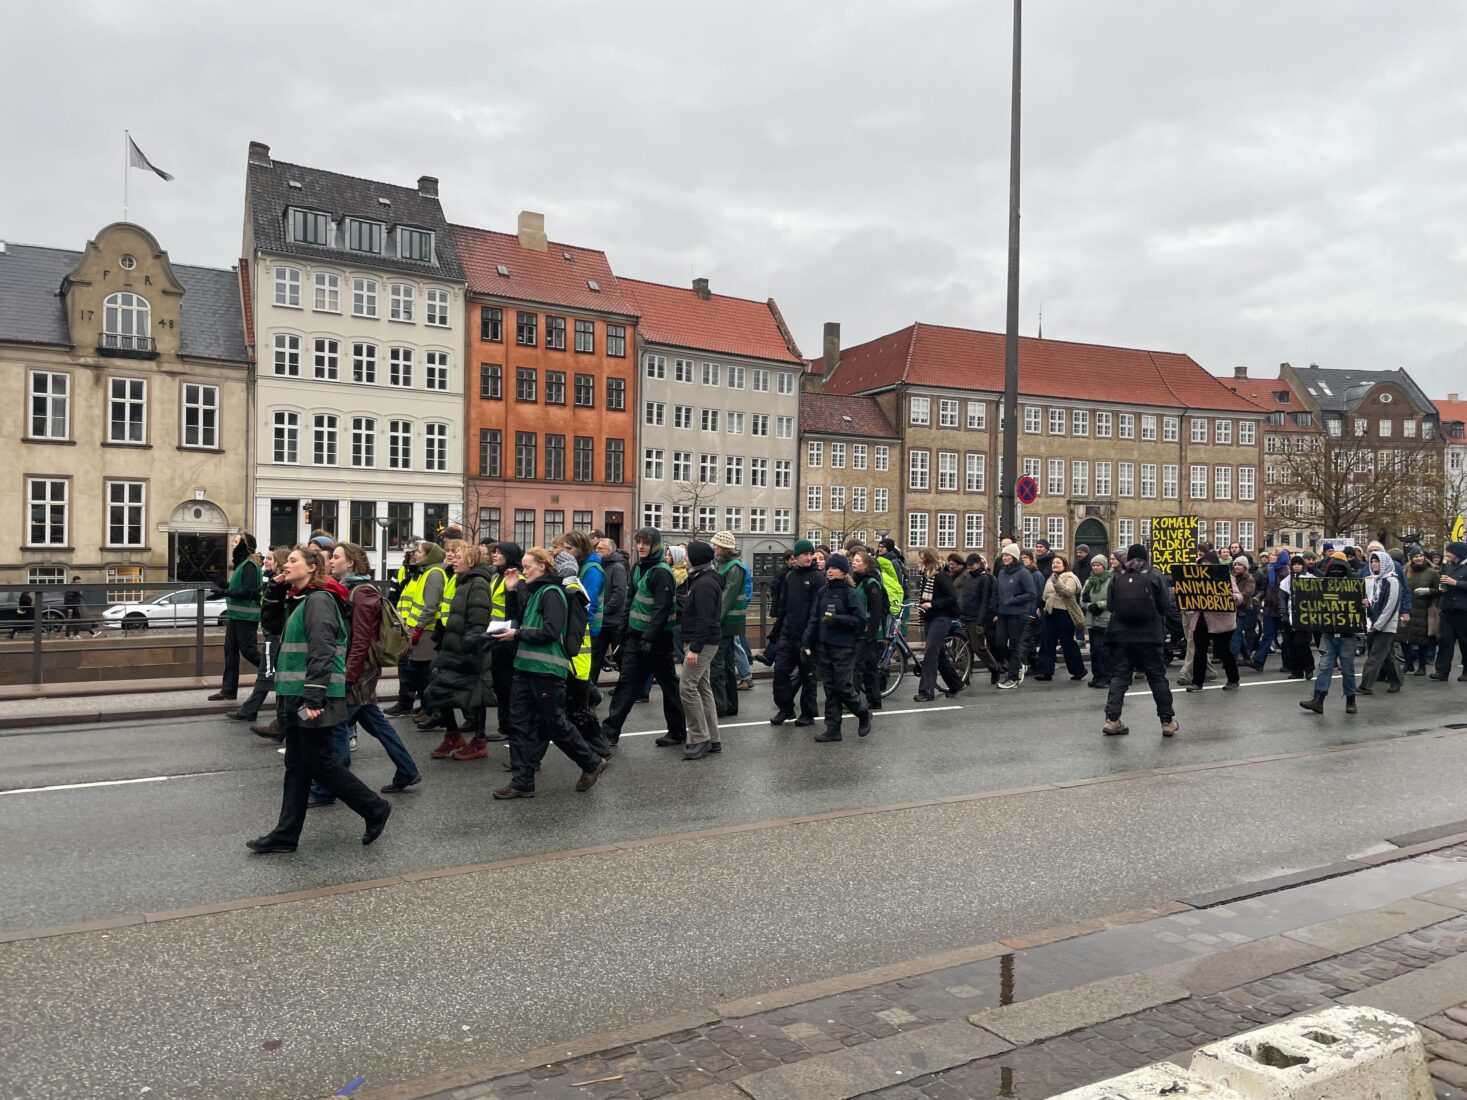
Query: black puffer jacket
point(699, 604)
point(977, 596)
point(800, 592)
point(460, 676)
point(839, 618)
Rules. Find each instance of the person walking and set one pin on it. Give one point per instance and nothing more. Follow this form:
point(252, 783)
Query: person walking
point(1453, 580)
point(615, 604)
point(1015, 597)
point(506, 604)
point(1336, 648)
point(733, 612)
point(1062, 614)
point(1278, 571)
point(1215, 629)
point(310, 690)
point(1419, 635)
point(1095, 602)
point(400, 596)
point(426, 612)
point(794, 606)
point(1298, 651)
point(975, 607)
point(865, 573)
point(649, 645)
point(591, 580)
point(461, 679)
point(1136, 640)
point(833, 633)
point(1247, 611)
point(579, 707)
point(241, 616)
point(1382, 621)
point(893, 575)
point(938, 602)
point(272, 625)
point(538, 692)
point(701, 615)
point(71, 603)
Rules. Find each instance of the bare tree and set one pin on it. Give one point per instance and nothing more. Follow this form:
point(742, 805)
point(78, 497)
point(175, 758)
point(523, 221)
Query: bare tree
point(691, 496)
point(1339, 485)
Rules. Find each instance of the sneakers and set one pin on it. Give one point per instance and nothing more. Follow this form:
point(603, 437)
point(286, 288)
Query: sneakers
point(698, 751)
point(667, 740)
point(477, 749)
point(715, 746)
point(1021, 676)
point(746, 685)
point(923, 697)
point(512, 792)
point(1169, 729)
point(397, 711)
point(588, 779)
point(351, 744)
point(396, 788)
point(236, 716)
point(272, 732)
point(805, 720)
point(1007, 684)
point(1114, 727)
point(450, 744)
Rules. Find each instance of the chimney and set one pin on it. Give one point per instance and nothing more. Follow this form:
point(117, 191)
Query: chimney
point(532, 231)
point(1450, 397)
point(831, 354)
point(428, 186)
point(260, 154)
point(1240, 373)
point(700, 288)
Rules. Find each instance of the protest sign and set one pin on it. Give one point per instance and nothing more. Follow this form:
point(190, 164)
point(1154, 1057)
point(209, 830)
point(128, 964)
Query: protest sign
point(1202, 587)
point(1173, 541)
point(1335, 604)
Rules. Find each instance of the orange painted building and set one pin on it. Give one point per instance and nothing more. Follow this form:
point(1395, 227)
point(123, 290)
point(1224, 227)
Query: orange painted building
point(551, 354)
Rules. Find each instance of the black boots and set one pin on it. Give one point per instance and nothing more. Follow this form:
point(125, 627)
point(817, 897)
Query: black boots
point(1316, 704)
point(1350, 705)
point(865, 727)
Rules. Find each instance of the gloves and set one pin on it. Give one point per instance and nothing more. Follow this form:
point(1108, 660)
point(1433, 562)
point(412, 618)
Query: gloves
point(805, 653)
point(417, 634)
point(644, 647)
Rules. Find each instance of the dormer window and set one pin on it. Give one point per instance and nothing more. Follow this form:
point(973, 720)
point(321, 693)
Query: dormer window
point(127, 323)
point(364, 236)
point(310, 227)
point(415, 244)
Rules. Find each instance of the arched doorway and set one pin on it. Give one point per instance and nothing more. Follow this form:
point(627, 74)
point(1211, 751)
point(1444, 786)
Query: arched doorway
point(1092, 534)
point(198, 537)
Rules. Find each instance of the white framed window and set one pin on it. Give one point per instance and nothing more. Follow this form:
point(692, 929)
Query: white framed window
point(1080, 478)
point(837, 456)
point(1102, 479)
point(1198, 486)
point(363, 442)
point(1148, 480)
point(858, 456)
point(947, 530)
point(1080, 422)
point(1055, 532)
point(711, 373)
point(814, 498)
point(435, 446)
point(919, 474)
point(364, 297)
point(947, 412)
point(1170, 429)
point(1199, 429)
point(680, 516)
point(435, 370)
point(1247, 482)
point(682, 370)
point(1170, 489)
point(1126, 426)
point(761, 380)
point(127, 410)
point(436, 307)
point(200, 412)
point(1247, 434)
point(1102, 425)
point(682, 466)
point(49, 504)
point(919, 411)
point(400, 298)
point(1222, 531)
point(784, 521)
point(1148, 429)
point(127, 322)
point(1055, 479)
point(326, 357)
point(1408, 429)
point(1201, 530)
point(1033, 419)
point(733, 519)
point(977, 416)
point(758, 520)
point(1222, 483)
point(707, 469)
point(1384, 429)
point(947, 471)
point(734, 423)
point(882, 457)
point(287, 355)
point(1245, 533)
point(287, 286)
point(786, 384)
point(708, 420)
point(879, 498)
point(1222, 433)
point(286, 437)
point(917, 525)
point(50, 401)
point(655, 366)
point(652, 515)
point(783, 473)
point(784, 427)
point(1126, 479)
point(399, 445)
point(327, 293)
point(733, 470)
point(324, 432)
point(1146, 530)
point(759, 473)
point(973, 530)
point(654, 413)
point(364, 363)
point(735, 377)
point(975, 474)
point(859, 494)
point(682, 416)
point(400, 367)
point(815, 535)
point(759, 424)
point(1057, 421)
point(1031, 530)
point(652, 463)
point(1126, 531)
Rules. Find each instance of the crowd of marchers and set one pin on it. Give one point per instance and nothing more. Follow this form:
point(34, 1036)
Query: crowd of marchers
point(524, 635)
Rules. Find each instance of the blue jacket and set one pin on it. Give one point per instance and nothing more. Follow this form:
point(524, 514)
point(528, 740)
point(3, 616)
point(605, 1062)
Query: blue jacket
point(593, 581)
point(1014, 592)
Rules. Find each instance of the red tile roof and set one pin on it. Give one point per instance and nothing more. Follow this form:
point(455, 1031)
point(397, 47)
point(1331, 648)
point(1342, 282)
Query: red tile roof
point(1260, 391)
point(546, 278)
point(1451, 410)
point(957, 358)
point(721, 324)
point(842, 414)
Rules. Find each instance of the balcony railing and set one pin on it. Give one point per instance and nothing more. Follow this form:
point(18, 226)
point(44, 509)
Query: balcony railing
point(118, 343)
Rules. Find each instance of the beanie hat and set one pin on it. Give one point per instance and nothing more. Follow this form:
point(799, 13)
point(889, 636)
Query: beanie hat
point(1137, 552)
point(1083, 546)
point(1413, 550)
point(1041, 542)
point(974, 559)
point(804, 546)
point(725, 540)
point(323, 541)
point(1457, 549)
point(699, 553)
point(249, 541)
point(838, 561)
point(566, 564)
point(1338, 555)
point(888, 544)
point(1011, 550)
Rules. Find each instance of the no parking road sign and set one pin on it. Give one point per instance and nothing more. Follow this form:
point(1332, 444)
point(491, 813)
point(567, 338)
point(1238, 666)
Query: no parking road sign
point(1026, 489)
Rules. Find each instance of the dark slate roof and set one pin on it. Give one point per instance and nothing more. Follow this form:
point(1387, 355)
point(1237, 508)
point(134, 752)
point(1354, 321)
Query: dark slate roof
point(339, 196)
point(1342, 390)
point(31, 310)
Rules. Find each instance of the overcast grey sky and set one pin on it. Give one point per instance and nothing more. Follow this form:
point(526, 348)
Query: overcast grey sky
point(1247, 182)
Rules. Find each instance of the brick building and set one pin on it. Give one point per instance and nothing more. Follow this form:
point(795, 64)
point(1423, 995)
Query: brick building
point(551, 353)
point(851, 470)
point(1290, 429)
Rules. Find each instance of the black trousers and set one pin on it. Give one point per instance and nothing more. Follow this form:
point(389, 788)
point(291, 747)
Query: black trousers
point(501, 671)
point(1099, 659)
point(868, 680)
point(636, 666)
point(837, 667)
point(309, 759)
point(1453, 635)
point(936, 658)
point(724, 677)
point(602, 644)
point(264, 679)
point(1008, 641)
point(538, 703)
point(1126, 658)
point(1222, 649)
point(1298, 656)
point(239, 641)
point(789, 659)
point(582, 715)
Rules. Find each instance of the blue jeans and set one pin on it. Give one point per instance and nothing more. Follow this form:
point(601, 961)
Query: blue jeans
point(1418, 656)
point(1245, 624)
point(374, 722)
point(741, 656)
point(1265, 638)
point(1336, 649)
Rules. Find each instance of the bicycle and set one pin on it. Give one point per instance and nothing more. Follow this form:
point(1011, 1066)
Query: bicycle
point(891, 666)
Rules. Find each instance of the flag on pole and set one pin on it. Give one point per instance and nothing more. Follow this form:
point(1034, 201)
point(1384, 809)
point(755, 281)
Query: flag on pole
point(136, 159)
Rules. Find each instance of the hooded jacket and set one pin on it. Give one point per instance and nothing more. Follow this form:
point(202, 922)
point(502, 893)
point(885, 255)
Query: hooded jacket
point(701, 614)
point(798, 596)
point(1095, 600)
point(661, 586)
point(1062, 593)
point(362, 672)
point(1454, 596)
point(1014, 592)
point(977, 598)
point(514, 598)
point(1151, 632)
point(1426, 590)
point(845, 604)
point(322, 638)
point(431, 596)
point(461, 674)
point(614, 600)
point(1384, 589)
point(1278, 572)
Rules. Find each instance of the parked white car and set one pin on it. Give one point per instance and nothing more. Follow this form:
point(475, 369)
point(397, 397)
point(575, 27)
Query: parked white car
point(170, 609)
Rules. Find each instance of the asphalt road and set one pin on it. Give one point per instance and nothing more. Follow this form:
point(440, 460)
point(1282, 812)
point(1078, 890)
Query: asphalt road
point(400, 981)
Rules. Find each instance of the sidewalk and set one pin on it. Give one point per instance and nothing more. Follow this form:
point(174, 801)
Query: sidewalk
point(1030, 1017)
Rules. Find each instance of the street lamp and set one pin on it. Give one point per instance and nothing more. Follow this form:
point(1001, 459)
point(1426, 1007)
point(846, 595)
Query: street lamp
point(1007, 502)
point(384, 523)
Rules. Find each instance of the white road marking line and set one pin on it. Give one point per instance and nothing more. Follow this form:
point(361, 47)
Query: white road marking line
point(791, 722)
point(105, 783)
point(1177, 689)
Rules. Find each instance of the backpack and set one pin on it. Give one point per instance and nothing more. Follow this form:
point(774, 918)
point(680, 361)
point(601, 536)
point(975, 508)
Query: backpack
point(392, 643)
point(1132, 602)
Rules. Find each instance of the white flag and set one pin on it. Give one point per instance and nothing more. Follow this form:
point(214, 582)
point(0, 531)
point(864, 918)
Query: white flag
point(136, 159)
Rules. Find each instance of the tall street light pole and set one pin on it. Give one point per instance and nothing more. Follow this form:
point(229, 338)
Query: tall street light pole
point(1007, 521)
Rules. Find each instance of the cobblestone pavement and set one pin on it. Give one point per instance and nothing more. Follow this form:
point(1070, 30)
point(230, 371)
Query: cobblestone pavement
point(733, 1048)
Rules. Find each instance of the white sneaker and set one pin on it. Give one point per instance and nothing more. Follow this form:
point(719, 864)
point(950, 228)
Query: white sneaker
point(1007, 684)
point(352, 744)
point(1020, 680)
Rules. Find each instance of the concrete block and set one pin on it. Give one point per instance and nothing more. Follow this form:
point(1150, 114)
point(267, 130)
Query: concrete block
point(1168, 1081)
point(1354, 1052)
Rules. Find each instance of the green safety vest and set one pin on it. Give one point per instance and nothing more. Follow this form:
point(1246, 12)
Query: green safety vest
point(290, 666)
point(580, 664)
point(641, 612)
point(734, 620)
point(243, 610)
point(546, 659)
point(496, 598)
point(411, 607)
point(450, 586)
point(896, 591)
point(595, 616)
